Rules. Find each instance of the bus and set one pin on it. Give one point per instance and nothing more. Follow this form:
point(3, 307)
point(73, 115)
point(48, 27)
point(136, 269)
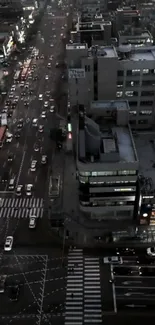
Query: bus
point(2, 132)
point(24, 74)
point(17, 75)
point(54, 186)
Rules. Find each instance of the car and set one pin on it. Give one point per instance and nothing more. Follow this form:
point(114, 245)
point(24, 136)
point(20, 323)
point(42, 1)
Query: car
point(147, 271)
point(51, 58)
point(10, 157)
point(127, 271)
point(26, 103)
point(32, 222)
point(9, 138)
point(2, 283)
point(5, 176)
point(17, 134)
point(54, 36)
point(44, 160)
point(43, 114)
point(40, 96)
point(46, 104)
point(10, 113)
point(52, 108)
point(125, 251)
point(1, 144)
point(42, 56)
point(33, 165)
point(22, 84)
point(30, 91)
point(20, 124)
point(57, 65)
point(41, 128)
point(35, 122)
point(16, 99)
point(36, 147)
point(151, 251)
point(51, 45)
point(46, 77)
point(8, 243)
point(28, 189)
point(4, 110)
point(113, 260)
point(35, 78)
point(19, 190)
point(47, 93)
point(14, 292)
point(49, 65)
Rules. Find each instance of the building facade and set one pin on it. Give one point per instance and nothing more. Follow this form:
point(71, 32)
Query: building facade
point(107, 73)
point(107, 162)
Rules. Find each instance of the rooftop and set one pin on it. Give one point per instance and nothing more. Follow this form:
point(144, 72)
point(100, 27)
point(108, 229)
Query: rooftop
point(143, 54)
point(133, 32)
point(106, 137)
point(145, 145)
point(106, 51)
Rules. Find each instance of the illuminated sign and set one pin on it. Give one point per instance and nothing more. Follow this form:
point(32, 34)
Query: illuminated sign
point(76, 73)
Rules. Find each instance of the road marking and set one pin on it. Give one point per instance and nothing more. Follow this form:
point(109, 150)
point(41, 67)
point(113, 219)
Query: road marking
point(131, 287)
point(130, 282)
point(20, 169)
point(39, 317)
point(113, 289)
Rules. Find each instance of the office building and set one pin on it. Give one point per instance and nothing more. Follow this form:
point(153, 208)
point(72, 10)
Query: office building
point(107, 162)
point(107, 73)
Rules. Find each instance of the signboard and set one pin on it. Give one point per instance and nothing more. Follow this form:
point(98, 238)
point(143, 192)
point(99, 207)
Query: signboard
point(76, 73)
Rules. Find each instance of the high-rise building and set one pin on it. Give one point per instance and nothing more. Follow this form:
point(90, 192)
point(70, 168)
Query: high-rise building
point(107, 73)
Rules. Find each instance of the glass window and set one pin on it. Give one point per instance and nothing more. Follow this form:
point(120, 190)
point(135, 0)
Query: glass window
point(134, 103)
point(119, 94)
point(132, 83)
point(146, 103)
point(129, 93)
point(133, 113)
point(120, 84)
point(145, 113)
point(127, 172)
point(120, 73)
point(145, 71)
point(136, 72)
point(84, 173)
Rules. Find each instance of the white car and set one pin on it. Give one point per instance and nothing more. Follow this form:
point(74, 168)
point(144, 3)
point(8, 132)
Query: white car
point(40, 96)
point(35, 122)
point(52, 109)
point(113, 260)
point(9, 137)
point(28, 189)
point(32, 222)
point(19, 190)
point(49, 65)
point(43, 114)
point(44, 160)
point(151, 251)
point(33, 165)
point(51, 45)
point(46, 77)
point(8, 243)
point(41, 128)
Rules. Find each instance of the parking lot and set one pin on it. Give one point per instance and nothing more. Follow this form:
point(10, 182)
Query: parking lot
point(42, 288)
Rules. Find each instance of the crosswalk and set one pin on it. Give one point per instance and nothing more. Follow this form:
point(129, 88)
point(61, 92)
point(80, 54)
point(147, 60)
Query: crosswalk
point(83, 291)
point(21, 207)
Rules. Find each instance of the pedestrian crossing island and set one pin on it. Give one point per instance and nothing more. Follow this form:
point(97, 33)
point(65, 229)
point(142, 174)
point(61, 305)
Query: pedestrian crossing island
point(21, 207)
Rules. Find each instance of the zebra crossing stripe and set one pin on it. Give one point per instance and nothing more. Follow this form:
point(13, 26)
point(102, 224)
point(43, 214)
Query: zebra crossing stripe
point(21, 208)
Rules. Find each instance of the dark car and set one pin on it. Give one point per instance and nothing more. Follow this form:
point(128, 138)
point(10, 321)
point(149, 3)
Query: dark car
point(14, 292)
point(5, 177)
point(147, 271)
point(10, 157)
point(17, 134)
point(26, 103)
point(126, 270)
point(10, 113)
point(125, 251)
point(20, 124)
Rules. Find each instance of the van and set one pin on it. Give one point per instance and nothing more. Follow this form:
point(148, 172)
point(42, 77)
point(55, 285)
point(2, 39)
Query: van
point(12, 184)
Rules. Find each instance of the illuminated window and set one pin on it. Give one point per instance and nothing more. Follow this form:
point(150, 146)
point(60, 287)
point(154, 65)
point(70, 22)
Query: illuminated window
point(119, 94)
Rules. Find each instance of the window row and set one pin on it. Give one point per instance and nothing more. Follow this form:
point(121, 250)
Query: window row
point(136, 83)
point(142, 113)
point(131, 93)
point(109, 173)
point(136, 72)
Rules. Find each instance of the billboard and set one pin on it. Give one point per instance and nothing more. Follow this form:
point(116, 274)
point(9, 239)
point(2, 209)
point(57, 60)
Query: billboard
point(76, 73)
